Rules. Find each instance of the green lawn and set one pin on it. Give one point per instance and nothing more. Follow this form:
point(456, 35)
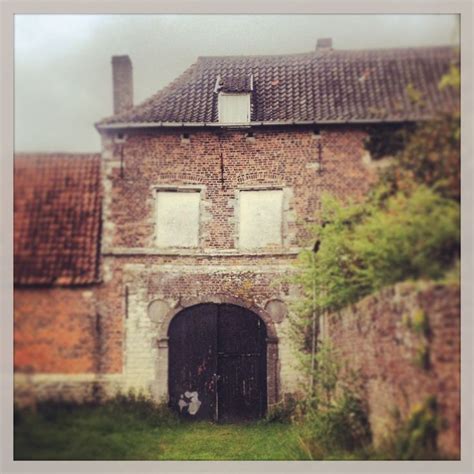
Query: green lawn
point(113, 432)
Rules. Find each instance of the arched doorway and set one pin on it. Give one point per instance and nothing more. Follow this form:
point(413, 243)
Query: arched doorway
point(217, 363)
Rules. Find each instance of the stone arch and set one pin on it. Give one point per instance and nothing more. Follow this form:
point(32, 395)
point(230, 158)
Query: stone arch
point(219, 298)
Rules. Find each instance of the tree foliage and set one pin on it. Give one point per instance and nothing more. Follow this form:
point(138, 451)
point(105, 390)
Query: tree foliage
point(429, 153)
point(364, 247)
point(430, 157)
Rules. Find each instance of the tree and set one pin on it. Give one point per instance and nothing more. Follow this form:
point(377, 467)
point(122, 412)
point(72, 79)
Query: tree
point(429, 153)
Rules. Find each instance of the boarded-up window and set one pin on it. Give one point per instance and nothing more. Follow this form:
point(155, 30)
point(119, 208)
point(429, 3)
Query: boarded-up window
point(177, 219)
point(234, 108)
point(260, 218)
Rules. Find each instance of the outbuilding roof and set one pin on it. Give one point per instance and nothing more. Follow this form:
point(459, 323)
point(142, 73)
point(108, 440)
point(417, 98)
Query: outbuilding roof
point(327, 86)
point(57, 219)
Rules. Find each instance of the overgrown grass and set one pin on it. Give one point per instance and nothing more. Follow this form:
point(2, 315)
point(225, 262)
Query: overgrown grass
point(139, 430)
point(133, 428)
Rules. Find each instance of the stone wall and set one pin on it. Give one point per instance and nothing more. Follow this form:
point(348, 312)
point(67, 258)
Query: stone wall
point(404, 346)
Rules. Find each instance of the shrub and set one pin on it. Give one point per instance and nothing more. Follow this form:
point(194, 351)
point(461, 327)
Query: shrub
point(343, 426)
point(364, 247)
point(332, 415)
point(282, 412)
point(130, 409)
point(427, 154)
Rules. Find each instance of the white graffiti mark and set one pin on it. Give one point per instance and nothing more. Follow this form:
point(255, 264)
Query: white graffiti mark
point(189, 400)
point(182, 404)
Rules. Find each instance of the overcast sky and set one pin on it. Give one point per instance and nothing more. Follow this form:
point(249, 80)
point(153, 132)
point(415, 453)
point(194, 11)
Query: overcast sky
point(63, 78)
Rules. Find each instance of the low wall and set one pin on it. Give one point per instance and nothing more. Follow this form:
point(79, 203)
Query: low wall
point(63, 348)
point(404, 345)
point(32, 388)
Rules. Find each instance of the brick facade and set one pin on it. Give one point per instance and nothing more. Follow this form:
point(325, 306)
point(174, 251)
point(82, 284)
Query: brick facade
point(121, 334)
point(221, 163)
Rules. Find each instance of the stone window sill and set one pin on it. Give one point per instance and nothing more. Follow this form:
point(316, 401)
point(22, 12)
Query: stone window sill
point(198, 252)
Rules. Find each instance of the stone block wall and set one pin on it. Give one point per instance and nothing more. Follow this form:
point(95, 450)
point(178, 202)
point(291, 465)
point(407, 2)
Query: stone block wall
point(404, 346)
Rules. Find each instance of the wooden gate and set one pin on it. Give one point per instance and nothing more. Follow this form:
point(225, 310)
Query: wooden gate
point(217, 363)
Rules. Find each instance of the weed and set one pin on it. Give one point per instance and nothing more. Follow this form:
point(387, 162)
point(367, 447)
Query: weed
point(422, 356)
point(406, 321)
point(282, 412)
point(341, 427)
point(420, 323)
point(416, 437)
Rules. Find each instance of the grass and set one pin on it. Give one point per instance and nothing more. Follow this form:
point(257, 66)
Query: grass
point(106, 433)
point(137, 429)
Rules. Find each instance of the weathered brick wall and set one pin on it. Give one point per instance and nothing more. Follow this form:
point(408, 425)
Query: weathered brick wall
point(404, 345)
point(55, 330)
point(66, 344)
point(177, 286)
point(63, 330)
point(286, 158)
point(114, 333)
point(220, 162)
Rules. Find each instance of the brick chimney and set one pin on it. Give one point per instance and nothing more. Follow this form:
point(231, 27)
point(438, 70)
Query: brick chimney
point(324, 44)
point(122, 78)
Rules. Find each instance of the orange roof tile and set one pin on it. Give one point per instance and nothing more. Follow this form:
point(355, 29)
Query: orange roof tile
point(57, 219)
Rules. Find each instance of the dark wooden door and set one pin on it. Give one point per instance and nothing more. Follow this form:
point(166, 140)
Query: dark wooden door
point(241, 364)
point(192, 361)
point(217, 363)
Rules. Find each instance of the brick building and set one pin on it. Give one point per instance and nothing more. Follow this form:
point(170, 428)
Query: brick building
point(204, 193)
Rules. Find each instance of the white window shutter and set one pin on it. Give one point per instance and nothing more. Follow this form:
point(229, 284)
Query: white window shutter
point(234, 108)
point(260, 220)
point(177, 219)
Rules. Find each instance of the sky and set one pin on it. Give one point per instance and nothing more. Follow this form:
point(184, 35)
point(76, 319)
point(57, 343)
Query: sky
point(63, 75)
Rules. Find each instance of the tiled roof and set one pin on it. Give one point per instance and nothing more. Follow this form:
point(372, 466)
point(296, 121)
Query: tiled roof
point(57, 217)
point(235, 84)
point(324, 86)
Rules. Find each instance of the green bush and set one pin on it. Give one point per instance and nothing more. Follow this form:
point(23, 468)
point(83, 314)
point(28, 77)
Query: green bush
point(339, 428)
point(332, 415)
point(123, 409)
point(364, 247)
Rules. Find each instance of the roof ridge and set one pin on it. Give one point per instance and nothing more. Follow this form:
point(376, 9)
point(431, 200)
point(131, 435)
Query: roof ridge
point(238, 56)
point(316, 52)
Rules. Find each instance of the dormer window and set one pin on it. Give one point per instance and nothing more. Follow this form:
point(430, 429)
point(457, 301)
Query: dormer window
point(234, 108)
point(234, 99)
